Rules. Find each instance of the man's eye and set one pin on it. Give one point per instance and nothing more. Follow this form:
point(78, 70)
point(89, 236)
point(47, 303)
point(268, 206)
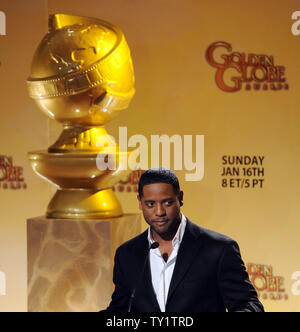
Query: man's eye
point(168, 203)
point(150, 204)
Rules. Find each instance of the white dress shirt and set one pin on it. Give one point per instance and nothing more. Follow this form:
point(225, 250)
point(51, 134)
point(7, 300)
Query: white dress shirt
point(161, 271)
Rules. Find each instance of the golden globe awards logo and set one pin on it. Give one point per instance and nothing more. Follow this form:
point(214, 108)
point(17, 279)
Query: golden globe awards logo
point(11, 177)
point(267, 285)
point(130, 184)
point(2, 24)
point(236, 70)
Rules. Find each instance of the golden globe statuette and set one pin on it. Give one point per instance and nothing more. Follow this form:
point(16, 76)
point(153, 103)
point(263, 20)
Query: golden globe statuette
point(81, 76)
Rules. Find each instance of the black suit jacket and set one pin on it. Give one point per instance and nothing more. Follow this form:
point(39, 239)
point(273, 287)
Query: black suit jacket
point(209, 276)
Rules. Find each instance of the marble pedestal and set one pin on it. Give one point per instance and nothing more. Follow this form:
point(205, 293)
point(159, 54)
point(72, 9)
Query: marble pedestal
point(70, 262)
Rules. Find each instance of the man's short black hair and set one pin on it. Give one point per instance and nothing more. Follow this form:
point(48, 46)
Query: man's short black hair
point(159, 175)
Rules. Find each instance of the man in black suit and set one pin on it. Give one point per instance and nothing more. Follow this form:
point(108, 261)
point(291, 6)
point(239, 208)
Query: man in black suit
point(175, 265)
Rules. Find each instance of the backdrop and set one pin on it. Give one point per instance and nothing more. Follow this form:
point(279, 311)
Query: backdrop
point(223, 77)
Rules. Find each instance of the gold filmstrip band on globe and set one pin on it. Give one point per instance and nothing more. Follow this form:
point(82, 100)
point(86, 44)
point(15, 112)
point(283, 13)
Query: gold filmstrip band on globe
point(91, 77)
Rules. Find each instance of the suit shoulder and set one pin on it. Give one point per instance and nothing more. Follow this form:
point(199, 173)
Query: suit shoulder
point(133, 243)
point(210, 235)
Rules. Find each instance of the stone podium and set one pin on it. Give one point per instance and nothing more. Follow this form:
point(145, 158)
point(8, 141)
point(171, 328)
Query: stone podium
point(70, 262)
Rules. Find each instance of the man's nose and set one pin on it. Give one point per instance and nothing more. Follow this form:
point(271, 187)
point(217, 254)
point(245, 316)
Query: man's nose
point(160, 210)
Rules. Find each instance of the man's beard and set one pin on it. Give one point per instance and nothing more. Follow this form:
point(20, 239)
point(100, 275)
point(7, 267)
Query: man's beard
point(169, 232)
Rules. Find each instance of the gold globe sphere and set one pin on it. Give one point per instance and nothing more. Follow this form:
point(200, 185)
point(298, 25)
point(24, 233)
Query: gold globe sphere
point(82, 72)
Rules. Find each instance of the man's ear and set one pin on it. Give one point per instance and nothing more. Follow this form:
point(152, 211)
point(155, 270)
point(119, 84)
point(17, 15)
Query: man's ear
point(140, 201)
point(180, 197)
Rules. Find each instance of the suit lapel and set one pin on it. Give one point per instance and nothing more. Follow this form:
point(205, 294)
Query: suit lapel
point(149, 285)
point(188, 250)
point(141, 254)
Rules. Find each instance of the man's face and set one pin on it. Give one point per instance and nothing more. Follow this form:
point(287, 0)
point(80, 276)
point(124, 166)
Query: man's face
point(161, 208)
